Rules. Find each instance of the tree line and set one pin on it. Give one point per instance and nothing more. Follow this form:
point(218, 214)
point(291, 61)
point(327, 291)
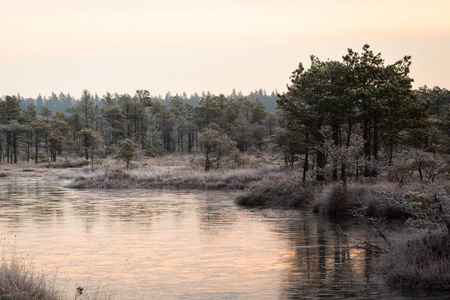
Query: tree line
point(98, 127)
point(62, 102)
point(337, 119)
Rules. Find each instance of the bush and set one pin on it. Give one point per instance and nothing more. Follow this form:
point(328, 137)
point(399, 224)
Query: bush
point(419, 258)
point(338, 200)
point(362, 199)
point(284, 191)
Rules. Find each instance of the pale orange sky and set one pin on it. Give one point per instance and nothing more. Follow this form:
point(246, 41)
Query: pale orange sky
point(207, 45)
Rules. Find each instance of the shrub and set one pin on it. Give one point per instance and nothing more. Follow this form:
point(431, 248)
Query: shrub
point(338, 200)
point(285, 191)
point(361, 200)
point(419, 258)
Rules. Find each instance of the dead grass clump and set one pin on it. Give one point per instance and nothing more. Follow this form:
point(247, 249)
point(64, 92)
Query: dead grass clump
point(382, 205)
point(28, 170)
point(116, 174)
point(286, 190)
point(19, 280)
point(338, 200)
point(418, 258)
point(68, 164)
point(382, 201)
point(379, 200)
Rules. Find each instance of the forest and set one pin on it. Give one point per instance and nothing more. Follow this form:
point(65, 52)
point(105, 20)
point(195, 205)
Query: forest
point(97, 126)
point(338, 119)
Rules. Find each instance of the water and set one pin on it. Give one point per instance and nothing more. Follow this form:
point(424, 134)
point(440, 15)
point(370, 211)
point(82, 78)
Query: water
point(170, 244)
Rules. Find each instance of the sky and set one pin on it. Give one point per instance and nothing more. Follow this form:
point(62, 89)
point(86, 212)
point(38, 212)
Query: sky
point(207, 45)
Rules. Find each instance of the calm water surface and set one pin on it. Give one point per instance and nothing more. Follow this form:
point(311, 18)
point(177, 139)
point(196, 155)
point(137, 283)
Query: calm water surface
point(170, 244)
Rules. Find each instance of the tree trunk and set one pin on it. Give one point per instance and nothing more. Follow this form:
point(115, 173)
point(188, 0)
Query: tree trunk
point(321, 157)
point(8, 145)
point(420, 173)
point(28, 148)
point(190, 141)
point(373, 171)
point(305, 164)
point(76, 128)
point(15, 147)
point(344, 174)
point(36, 148)
point(349, 133)
point(321, 162)
point(336, 143)
point(367, 146)
point(207, 161)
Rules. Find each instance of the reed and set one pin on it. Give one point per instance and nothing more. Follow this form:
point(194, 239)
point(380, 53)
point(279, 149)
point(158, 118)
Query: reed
point(19, 280)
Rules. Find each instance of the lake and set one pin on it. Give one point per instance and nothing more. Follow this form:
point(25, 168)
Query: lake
point(178, 244)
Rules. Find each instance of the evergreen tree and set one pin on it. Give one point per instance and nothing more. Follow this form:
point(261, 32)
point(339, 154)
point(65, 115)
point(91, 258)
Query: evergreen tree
point(358, 92)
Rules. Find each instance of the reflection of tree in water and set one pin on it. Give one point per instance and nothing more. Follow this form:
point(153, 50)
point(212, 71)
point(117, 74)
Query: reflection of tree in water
point(132, 208)
point(112, 207)
point(30, 199)
point(40, 200)
point(215, 214)
point(85, 209)
point(322, 263)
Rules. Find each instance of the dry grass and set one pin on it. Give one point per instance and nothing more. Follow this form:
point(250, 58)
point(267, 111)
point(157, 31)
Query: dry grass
point(418, 259)
point(167, 177)
point(31, 169)
point(286, 189)
point(63, 164)
point(369, 200)
point(19, 280)
point(375, 200)
point(173, 171)
point(281, 189)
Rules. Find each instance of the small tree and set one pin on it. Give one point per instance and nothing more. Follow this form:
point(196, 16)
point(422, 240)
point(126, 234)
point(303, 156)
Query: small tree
point(127, 151)
point(57, 135)
point(216, 147)
point(91, 139)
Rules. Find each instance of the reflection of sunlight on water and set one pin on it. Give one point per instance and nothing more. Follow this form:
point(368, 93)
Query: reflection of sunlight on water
point(175, 244)
point(143, 241)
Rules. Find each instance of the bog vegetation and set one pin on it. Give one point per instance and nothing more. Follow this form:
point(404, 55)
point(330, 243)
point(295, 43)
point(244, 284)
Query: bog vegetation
point(349, 137)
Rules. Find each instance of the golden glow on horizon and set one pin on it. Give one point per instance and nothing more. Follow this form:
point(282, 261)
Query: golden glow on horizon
point(181, 45)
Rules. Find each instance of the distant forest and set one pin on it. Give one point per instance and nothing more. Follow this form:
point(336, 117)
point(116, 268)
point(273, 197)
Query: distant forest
point(61, 102)
point(44, 128)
